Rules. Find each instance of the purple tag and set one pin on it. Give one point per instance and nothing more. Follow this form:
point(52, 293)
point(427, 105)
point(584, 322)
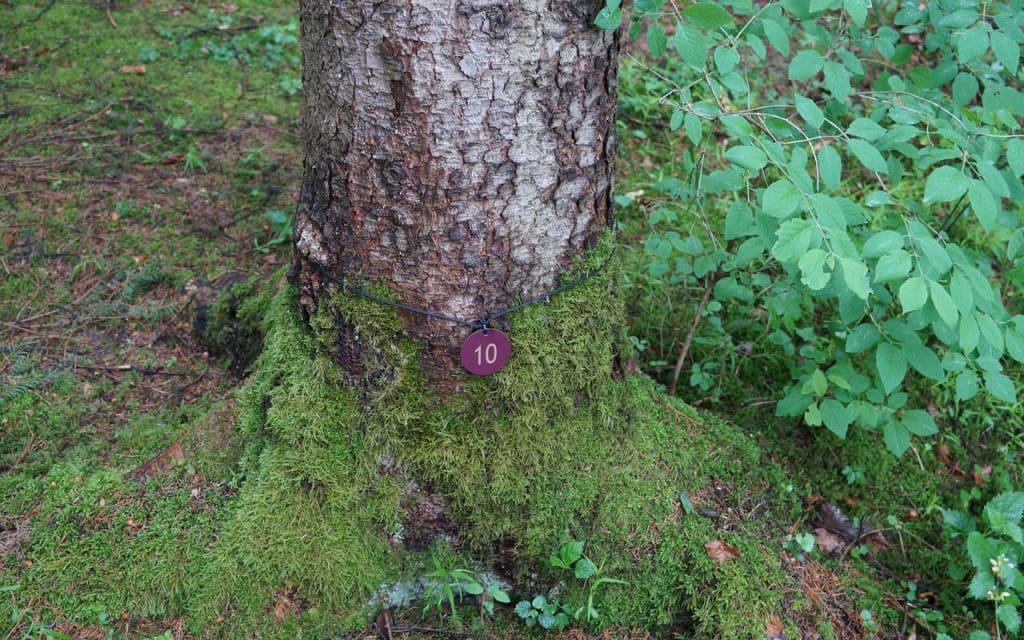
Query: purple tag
point(485, 352)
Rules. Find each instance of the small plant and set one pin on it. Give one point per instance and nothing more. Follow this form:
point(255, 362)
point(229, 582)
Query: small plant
point(290, 85)
point(494, 594)
point(448, 583)
point(570, 557)
point(549, 615)
point(799, 544)
point(193, 159)
point(279, 224)
point(148, 54)
point(994, 551)
point(853, 474)
point(555, 615)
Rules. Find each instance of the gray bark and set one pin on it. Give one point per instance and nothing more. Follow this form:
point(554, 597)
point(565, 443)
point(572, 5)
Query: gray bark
point(457, 151)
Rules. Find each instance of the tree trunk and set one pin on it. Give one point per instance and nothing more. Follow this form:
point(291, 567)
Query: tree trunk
point(459, 153)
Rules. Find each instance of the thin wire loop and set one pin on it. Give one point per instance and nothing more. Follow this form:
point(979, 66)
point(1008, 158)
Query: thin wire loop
point(483, 323)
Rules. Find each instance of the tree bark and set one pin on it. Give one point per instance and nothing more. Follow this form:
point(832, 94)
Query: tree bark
point(457, 152)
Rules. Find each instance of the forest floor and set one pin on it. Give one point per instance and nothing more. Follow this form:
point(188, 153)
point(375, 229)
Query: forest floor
point(148, 159)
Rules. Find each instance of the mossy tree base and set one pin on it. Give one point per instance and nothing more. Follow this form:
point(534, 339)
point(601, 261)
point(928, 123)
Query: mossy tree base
point(347, 482)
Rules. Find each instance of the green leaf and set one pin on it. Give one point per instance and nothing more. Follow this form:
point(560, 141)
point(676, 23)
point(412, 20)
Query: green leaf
point(892, 366)
point(830, 167)
point(707, 15)
point(858, 10)
point(943, 303)
point(1007, 51)
point(861, 338)
point(739, 222)
point(794, 238)
point(781, 199)
point(919, 423)
point(686, 502)
point(855, 275)
point(584, 569)
point(812, 417)
point(972, 44)
point(944, 184)
point(750, 158)
point(472, 588)
point(994, 179)
point(962, 292)
point(981, 584)
point(676, 120)
point(969, 334)
point(980, 551)
point(571, 552)
point(868, 156)
point(882, 243)
point(805, 65)
point(1015, 156)
point(966, 385)
point(836, 416)
point(498, 594)
point(812, 269)
point(894, 266)
point(1000, 386)
point(777, 36)
point(610, 17)
point(694, 127)
point(924, 361)
point(656, 39)
point(1010, 504)
point(691, 44)
point(1014, 344)
point(990, 331)
point(936, 261)
point(866, 128)
point(837, 80)
point(958, 521)
point(1010, 617)
point(983, 203)
point(896, 437)
point(817, 383)
point(809, 111)
point(965, 87)
point(913, 294)
point(726, 59)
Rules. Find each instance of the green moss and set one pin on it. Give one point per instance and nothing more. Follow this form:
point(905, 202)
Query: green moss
point(233, 326)
point(552, 447)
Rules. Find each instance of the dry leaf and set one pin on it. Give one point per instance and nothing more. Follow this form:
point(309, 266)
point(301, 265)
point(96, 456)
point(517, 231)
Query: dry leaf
point(134, 69)
point(776, 630)
point(720, 551)
point(942, 453)
point(828, 542)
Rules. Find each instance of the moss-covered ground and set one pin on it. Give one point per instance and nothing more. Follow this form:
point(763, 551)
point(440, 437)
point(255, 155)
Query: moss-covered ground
point(148, 164)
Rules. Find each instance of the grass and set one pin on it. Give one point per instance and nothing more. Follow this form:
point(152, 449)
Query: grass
point(146, 489)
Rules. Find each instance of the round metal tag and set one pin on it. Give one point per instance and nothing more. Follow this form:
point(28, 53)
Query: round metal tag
point(485, 352)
